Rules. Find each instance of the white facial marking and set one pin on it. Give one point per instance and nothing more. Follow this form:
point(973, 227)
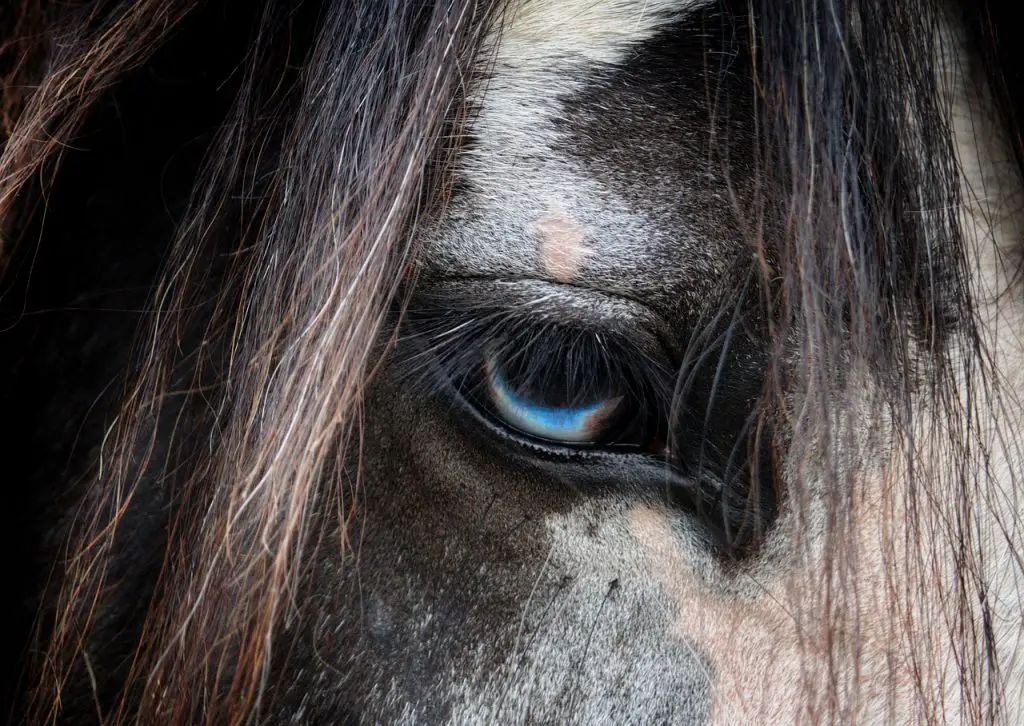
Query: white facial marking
point(739, 637)
point(541, 31)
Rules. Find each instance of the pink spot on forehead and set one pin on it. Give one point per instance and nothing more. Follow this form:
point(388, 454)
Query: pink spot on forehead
point(561, 248)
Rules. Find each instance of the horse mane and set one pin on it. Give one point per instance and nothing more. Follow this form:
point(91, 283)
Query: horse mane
point(271, 311)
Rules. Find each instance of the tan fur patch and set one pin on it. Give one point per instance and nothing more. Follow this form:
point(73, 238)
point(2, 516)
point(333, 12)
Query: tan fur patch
point(772, 652)
point(561, 247)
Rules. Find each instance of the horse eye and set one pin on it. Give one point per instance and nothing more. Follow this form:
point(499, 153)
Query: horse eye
point(574, 393)
point(550, 407)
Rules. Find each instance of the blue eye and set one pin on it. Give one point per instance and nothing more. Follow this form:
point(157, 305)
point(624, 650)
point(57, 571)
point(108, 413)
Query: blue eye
point(568, 420)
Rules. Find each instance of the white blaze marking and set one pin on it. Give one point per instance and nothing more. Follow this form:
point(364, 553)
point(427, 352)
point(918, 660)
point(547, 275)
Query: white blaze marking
point(592, 30)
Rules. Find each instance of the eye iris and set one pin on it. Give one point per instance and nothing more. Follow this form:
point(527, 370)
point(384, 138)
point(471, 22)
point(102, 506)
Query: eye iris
point(570, 423)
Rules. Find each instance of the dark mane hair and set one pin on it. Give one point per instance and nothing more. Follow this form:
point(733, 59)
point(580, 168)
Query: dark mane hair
point(332, 130)
point(877, 277)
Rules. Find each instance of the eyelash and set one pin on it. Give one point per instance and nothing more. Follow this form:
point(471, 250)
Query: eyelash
point(490, 360)
point(596, 388)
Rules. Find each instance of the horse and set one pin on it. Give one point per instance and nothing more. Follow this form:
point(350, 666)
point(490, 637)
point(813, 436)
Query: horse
point(512, 361)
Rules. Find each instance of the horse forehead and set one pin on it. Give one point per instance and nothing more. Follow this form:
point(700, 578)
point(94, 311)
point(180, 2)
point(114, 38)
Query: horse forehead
point(548, 188)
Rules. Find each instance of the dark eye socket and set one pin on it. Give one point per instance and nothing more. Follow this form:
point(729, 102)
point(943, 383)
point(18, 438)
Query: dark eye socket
point(578, 392)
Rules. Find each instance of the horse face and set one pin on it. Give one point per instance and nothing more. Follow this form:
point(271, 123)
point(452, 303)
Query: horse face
point(585, 485)
point(592, 565)
point(492, 574)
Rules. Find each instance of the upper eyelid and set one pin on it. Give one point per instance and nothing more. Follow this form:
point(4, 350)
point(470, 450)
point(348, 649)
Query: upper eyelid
point(538, 302)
